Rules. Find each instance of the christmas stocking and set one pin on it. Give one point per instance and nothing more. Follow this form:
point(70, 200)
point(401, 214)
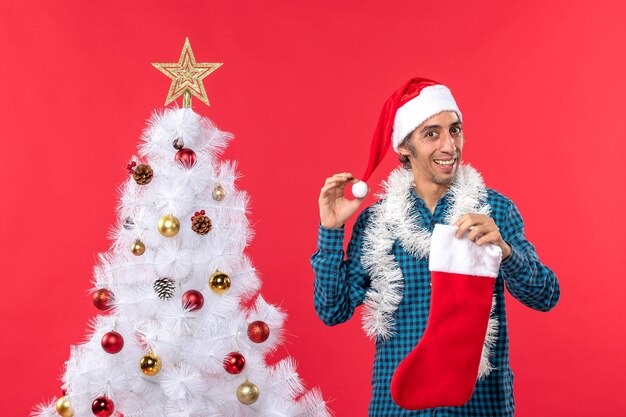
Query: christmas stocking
point(441, 371)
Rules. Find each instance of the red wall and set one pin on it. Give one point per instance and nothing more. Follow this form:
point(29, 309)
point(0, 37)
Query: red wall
point(542, 92)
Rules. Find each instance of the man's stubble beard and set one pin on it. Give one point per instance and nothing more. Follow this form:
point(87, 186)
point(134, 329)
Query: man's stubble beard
point(446, 181)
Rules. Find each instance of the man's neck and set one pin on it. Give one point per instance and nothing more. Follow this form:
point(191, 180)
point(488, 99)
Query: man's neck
point(429, 191)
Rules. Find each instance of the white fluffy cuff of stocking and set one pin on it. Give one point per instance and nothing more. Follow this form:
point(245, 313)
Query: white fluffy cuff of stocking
point(359, 189)
point(462, 256)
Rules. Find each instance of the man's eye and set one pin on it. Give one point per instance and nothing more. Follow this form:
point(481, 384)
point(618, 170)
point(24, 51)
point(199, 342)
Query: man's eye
point(431, 134)
point(455, 130)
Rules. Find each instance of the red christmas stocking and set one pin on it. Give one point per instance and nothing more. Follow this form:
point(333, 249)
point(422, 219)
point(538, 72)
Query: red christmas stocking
point(441, 371)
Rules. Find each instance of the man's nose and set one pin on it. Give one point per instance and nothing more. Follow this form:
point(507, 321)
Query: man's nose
point(448, 143)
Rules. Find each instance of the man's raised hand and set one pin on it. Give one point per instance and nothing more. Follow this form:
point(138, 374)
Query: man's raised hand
point(335, 209)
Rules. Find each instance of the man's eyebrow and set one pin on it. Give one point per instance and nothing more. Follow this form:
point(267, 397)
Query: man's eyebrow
point(429, 127)
point(457, 123)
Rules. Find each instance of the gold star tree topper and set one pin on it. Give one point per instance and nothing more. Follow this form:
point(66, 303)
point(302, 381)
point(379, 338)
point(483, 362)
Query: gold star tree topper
point(187, 75)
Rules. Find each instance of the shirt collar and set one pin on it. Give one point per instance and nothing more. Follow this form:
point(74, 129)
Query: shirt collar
point(417, 200)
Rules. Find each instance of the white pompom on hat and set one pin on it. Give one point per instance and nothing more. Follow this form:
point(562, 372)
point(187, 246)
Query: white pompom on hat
point(407, 108)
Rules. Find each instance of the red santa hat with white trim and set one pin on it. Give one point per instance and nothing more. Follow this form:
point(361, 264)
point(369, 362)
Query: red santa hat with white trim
point(407, 108)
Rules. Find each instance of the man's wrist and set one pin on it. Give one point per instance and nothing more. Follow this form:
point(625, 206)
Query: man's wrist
point(514, 263)
point(331, 226)
point(506, 251)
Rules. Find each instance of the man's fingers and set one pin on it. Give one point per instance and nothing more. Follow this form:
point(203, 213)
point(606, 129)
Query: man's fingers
point(332, 189)
point(479, 229)
point(346, 175)
point(488, 238)
point(335, 184)
point(339, 177)
point(461, 220)
point(335, 187)
point(464, 226)
point(328, 191)
point(329, 179)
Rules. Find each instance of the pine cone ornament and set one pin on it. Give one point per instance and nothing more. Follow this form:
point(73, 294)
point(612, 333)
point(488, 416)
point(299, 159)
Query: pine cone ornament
point(200, 223)
point(164, 287)
point(143, 174)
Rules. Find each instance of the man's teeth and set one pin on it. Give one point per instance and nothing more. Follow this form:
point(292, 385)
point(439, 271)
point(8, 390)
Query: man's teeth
point(440, 162)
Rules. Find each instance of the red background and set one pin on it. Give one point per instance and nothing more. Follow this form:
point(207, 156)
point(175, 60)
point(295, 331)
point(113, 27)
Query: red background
point(541, 88)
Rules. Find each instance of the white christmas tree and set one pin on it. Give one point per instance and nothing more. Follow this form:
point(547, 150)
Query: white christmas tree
point(174, 338)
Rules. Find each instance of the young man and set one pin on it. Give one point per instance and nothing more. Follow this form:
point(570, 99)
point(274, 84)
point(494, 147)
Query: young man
point(387, 264)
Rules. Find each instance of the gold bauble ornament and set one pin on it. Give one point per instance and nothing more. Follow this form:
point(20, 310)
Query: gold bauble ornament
point(219, 282)
point(150, 364)
point(138, 248)
point(247, 393)
point(64, 407)
point(169, 225)
point(219, 193)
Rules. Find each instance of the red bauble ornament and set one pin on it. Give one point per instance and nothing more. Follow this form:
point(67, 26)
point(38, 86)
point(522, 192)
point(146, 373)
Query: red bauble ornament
point(103, 299)
point(102, 407)
point(112, 342)
point(193, 300)
point(258, 331)
point(234, 363)
point(187, 157)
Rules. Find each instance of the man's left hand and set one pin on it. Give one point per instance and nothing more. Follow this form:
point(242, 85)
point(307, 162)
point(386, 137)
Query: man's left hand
point(482, 229)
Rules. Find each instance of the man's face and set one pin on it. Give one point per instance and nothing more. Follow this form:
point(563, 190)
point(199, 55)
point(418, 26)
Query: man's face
point(435, 148)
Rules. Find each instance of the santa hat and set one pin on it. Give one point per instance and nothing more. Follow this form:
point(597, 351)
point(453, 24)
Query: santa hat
point(407, 108)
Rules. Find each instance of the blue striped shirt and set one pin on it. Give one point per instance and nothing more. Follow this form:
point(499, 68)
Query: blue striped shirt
point(341, 285)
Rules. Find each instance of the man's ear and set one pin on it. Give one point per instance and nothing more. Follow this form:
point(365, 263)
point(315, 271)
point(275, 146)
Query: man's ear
point(402, 150)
